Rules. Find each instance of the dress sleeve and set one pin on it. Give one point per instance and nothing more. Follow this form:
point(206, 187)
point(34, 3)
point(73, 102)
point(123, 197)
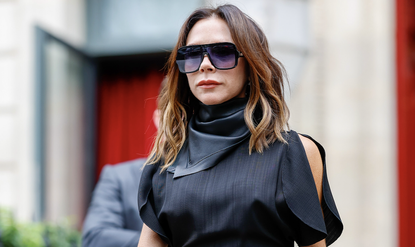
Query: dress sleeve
point(313, 222)
point(146, 207)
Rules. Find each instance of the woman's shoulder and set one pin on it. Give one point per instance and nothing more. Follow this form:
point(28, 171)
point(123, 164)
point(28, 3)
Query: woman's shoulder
point(303, 178)
point(309, 144)
point(314, 153)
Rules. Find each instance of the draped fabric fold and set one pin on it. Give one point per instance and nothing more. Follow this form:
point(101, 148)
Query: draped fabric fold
point(213, 133)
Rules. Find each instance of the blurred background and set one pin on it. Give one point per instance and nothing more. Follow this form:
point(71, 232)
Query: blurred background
point(79, 80)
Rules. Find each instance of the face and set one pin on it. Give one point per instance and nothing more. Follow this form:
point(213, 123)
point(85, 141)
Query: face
point(209, 85)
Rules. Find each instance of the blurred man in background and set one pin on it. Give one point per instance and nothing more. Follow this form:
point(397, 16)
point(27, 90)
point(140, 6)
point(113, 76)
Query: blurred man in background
point(112, 219)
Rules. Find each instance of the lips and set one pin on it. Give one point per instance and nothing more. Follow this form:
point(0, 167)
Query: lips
point(208, 84)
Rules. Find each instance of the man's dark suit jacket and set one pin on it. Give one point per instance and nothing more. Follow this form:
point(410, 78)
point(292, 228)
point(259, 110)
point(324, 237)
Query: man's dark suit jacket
point(112, 219)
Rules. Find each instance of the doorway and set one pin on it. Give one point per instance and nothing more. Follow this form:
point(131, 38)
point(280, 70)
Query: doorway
point(127, 89)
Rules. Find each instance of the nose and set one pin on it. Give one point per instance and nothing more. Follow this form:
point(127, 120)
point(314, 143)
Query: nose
point(206, 64)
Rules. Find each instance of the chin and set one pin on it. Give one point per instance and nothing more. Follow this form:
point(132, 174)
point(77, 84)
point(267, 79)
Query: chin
point(212, 101)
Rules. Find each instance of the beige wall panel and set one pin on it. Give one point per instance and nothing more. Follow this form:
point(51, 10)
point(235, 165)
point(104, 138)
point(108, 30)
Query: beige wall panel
point(8, 140)
point(8, 27)
point(64, 18)
point(351, 77)
point(8, 83)
point(7, 188)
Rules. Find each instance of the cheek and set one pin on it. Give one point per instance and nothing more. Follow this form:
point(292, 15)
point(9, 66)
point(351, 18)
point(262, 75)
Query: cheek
point(191, 83)
point(190, 80)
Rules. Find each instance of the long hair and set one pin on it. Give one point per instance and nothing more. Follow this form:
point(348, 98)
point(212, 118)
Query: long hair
point(266, 113)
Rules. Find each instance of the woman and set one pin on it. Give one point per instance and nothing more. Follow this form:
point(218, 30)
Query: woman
point(224, 171)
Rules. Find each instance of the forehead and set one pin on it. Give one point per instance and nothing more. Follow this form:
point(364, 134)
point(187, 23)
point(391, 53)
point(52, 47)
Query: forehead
point(207, 31)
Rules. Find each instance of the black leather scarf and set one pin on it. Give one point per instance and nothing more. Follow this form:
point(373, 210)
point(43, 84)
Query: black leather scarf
point(213, 133)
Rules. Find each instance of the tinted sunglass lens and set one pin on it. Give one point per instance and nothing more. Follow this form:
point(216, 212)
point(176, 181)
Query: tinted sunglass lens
point(223, 56)
point(192, 58)
point(189, 58)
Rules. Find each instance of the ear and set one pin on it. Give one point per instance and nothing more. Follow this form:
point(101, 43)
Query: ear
point(156, 118)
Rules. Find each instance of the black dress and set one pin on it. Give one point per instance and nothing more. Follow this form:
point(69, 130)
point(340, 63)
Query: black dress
point(216, 194)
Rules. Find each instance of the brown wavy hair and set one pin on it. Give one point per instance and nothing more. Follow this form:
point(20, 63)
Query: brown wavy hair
point(266, 113)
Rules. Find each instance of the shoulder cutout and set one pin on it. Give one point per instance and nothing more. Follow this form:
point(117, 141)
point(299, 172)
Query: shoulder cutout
point(315, 161)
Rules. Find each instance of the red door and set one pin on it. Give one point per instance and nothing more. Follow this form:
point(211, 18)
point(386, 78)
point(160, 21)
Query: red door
point(405, 59)
point(126, 102)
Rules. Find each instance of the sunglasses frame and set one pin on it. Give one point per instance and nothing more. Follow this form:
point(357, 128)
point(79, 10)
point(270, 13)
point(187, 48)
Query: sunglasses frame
point(204, 52)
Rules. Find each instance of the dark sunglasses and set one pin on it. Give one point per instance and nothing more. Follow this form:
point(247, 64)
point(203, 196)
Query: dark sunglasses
point(222, 56)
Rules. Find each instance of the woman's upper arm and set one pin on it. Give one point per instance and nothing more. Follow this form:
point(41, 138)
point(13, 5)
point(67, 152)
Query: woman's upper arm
point(321, 243)
point(149, 238)
point(316, 164)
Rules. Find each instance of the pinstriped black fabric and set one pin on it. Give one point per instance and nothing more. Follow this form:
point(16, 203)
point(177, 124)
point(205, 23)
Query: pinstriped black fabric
point(256, 200)
point(331, 215)
point(300, 195)
point(238, 199)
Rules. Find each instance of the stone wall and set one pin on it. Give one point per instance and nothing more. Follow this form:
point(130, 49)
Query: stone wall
point(17, 90)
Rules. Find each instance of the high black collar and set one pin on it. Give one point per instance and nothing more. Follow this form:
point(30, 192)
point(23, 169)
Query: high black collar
point(226, 119)
point(212, 134)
